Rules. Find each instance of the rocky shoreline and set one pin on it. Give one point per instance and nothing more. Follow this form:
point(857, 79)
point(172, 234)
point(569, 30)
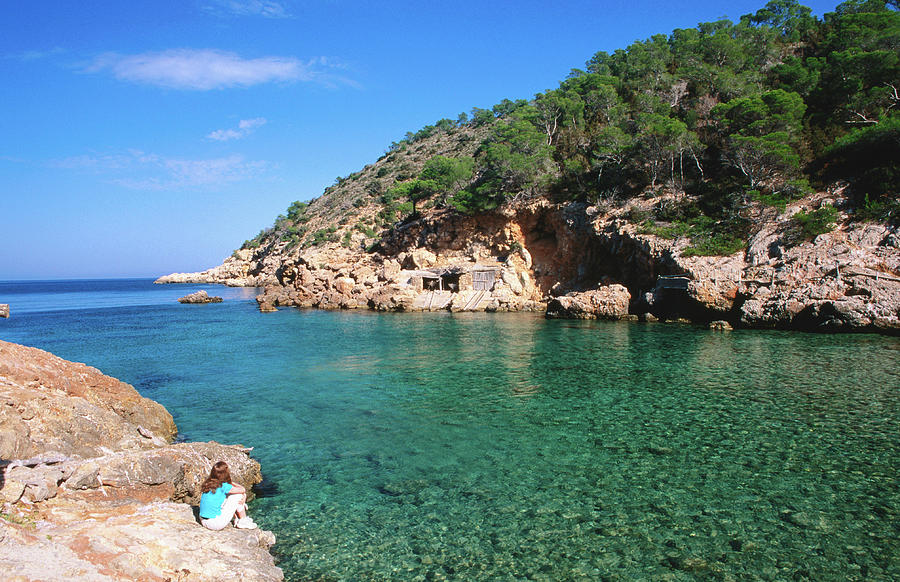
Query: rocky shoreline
point(580, 261)
point(92, 487)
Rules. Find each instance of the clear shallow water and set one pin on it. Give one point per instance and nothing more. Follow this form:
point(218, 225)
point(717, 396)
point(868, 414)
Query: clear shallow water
point(508, 447)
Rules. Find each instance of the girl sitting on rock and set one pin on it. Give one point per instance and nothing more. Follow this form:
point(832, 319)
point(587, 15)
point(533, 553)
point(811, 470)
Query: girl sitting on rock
point(221, 500)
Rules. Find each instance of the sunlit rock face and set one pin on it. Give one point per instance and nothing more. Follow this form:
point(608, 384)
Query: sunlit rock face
point(93, 489)
point(844, 280)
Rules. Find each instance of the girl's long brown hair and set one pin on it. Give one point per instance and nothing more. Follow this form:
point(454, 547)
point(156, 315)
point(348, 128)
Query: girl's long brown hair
point(217, 475)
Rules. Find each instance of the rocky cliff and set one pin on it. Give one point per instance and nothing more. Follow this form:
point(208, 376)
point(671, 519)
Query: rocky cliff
point(758, 189)
point(93, 489)
point(534, 251)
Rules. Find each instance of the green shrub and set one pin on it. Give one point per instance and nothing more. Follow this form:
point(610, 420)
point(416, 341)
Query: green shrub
point(375, 187)
point(714, 244)
point(368, 231)
point(472, 203)
point(636, 215)
point(671, 231)
point(296, 209)
point(709, 237)
point(322, 236)
point(882, 209)
point(789, 191)
point(869, 159)
point(775, 200)
point(668, 210)
point(808, 225)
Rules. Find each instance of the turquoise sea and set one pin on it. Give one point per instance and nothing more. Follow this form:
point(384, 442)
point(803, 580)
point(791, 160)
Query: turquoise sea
point(508, 447)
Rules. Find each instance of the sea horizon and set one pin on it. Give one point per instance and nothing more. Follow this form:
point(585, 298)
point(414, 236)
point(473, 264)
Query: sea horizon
point(32, 296)
point(50, 279)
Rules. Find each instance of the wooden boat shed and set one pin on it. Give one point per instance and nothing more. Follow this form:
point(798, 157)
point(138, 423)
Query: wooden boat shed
point(455, 279)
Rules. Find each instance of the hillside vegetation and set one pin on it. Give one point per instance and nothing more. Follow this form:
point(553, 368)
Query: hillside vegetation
point(730, 120)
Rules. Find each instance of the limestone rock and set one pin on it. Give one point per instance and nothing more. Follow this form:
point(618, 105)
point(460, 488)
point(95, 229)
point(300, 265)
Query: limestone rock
point(87, 468)
point(200, 297)
point(235, 271)
point(392, 298)
point(526, 257)
point(50, 404)
point(390, 270)
point(4, 310)
point(97, 539)
point(420, 259)
point(511, 279)
point(344, 285)
point(845, 280)
point(173, 472)
point(37, 483)
point(609, 302)
point(267, 307)
point(365, 275)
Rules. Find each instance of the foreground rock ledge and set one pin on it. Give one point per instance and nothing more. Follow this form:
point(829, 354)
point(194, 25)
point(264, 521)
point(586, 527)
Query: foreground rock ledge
point(93, 489)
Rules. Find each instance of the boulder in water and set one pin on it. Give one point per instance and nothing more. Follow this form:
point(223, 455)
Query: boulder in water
point(607, 302)
point(200, 297)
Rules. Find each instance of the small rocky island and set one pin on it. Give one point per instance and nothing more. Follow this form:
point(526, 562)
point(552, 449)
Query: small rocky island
point(200, 297)
point(93, 488)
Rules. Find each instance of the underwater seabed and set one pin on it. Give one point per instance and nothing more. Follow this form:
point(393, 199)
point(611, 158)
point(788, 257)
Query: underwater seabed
point(440, 446)
point(510, 448)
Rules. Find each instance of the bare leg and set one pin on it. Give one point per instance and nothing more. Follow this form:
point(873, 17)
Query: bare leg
point(241, 512)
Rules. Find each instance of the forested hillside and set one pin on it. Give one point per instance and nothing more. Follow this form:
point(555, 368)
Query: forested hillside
point(734, 119)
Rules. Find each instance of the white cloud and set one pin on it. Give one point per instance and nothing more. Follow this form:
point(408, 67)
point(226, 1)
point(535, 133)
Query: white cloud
point(206, 69)
point(265, 8)
point(138, 170)
point(245, 128)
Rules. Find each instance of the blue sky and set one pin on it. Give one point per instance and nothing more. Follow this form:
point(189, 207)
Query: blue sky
point(145, 137)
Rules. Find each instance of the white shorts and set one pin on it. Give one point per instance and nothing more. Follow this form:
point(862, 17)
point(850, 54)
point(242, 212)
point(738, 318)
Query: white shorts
point(229, 507)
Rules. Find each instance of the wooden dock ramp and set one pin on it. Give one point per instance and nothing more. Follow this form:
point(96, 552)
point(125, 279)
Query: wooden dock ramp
point(474, 301)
